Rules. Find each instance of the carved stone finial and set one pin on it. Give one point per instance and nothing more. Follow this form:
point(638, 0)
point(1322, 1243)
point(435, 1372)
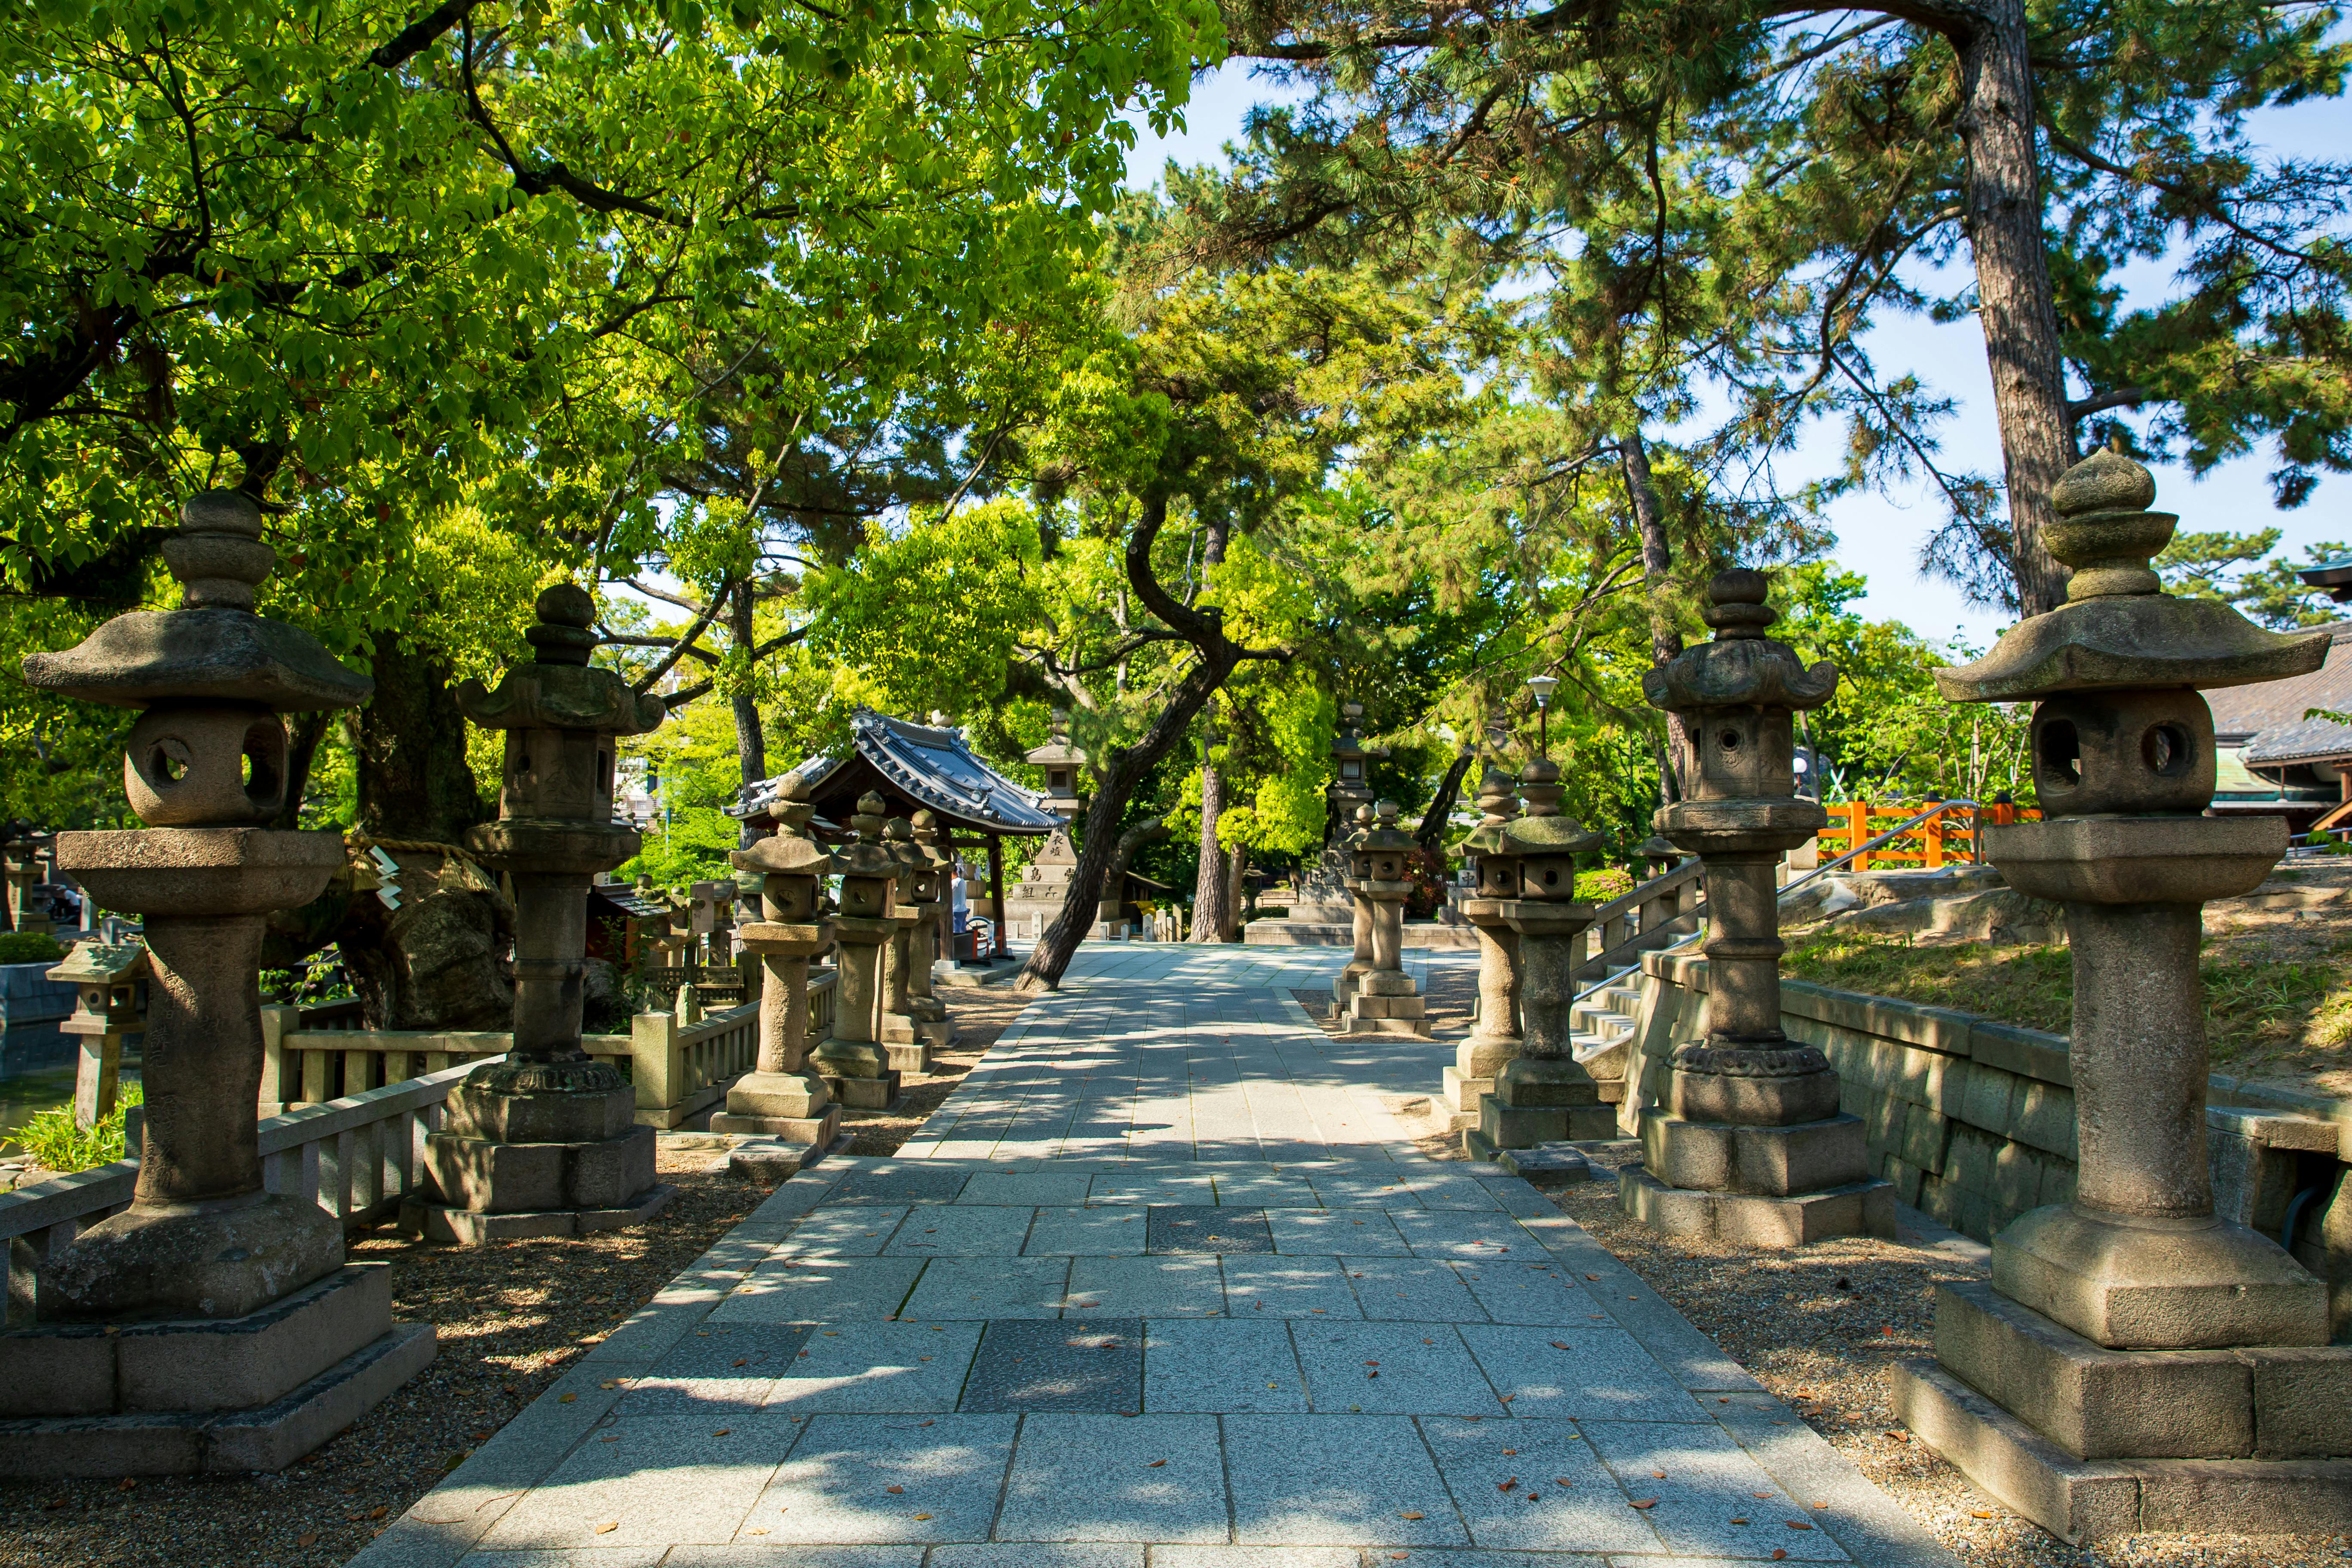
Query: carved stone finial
point(1496, 798)
point(2105, 530)
point(1539, 786)
point(217, 555)
point(869, 820)
point(566, 612)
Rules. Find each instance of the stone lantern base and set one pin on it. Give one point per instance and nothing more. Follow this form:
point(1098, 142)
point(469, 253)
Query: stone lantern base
point(513, 1162)
point(909, 1038)
point(792, 1107)
point(2090, 1442)
point(1386, 1001)
point(1538, 1101)
point(179, 1397)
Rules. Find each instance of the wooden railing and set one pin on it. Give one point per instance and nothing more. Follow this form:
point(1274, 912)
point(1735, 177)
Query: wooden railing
point(1949, 838)
point(678, 1069)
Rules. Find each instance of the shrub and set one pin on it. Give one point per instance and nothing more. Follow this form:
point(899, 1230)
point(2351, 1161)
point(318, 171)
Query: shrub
point(1599, 887)
point(57, 1143)
point(29, 947)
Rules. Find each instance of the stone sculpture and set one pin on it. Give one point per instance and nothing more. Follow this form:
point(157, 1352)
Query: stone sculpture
point(780, 1098)
point(1385, 1000)
point(909, 1029)
point(854, 1064)
point(929, 936)
point(2136, 1363)
point(1495, 1038)
point(544, 1140)
point(1752, 1146)
point(1360, 963)
point(235, 1336)
point(1543, 1095)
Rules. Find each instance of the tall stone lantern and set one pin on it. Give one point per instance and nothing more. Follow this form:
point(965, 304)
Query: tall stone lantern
point(930, 937)
point(219, 1298)
point(1359, 866)
point(1386, 1001)
point(1494, 1039)
point(854, 1062)
point(544, 1141)
point(910, 1027)
point(780, 1098)
point(2136, 1363)
point(1752, 1147)
point(1543, 1095)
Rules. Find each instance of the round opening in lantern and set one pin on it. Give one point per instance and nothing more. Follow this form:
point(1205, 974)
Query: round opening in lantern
point(1730, 739)
point(2059, 754)
point(2169, 749)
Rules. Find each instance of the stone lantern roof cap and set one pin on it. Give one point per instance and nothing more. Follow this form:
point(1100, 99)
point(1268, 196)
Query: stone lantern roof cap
point(788, 850)
point(559, 689)
point(1548, 835)
point(1742, 667)
point(214, 649)
point(2119, 629)
point(1384, 833)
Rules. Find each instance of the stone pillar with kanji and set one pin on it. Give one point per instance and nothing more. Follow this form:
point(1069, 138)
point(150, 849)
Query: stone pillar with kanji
point(854, 1063)
point(1752, 1146)
point(1386, 1000)
point(780, 1098)
point(1543, 1095)
point(215, 1324)
point(2136, 1363)
point(1495, 1034)
point(544, 1140)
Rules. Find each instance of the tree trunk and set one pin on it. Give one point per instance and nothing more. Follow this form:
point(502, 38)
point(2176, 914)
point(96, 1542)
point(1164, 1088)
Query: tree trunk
point(1236, 885)
point(1432, 831)
point(1657, 581)
point(413, 779)
point(1213, 906)
point(751, 738)
point(303, 734)
point(2013, 293)
point(1128, 766)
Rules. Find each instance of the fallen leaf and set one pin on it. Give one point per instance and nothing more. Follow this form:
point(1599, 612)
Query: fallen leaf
point(1739, 1521)
point(1778, 1554)
point(739, 1360)
point(1820, 1505)
point(1155, 1464)
point(1561, 1482)
point(565, 1398)
point(608, 1529)
point(1658, 1475)
point(127, 1483)
point(894, 1489)
point(1760, 1494)
point(1510, 1453)
point(1409, 1513)
point(1645, 1502)
point(922, 1516)
point(1506, 1486)
point(1980, 1513)
point(310, 1540)
point(1798, 1524)
point(380, 1512)
point(1592, 1277)
point(1559, 1345)
point(723, 1431)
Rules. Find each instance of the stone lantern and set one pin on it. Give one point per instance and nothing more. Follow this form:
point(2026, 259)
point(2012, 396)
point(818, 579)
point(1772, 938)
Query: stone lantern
point(1358, 865)
point(1386, 1001)
point(855, 1064)
point(22, 858)
point(909, 1028)
point(1752, 1147)
point(1495, 1038)
point(780, 1098)
point(105, 982)
point(930, 936)
point(1062, 762)
point(218, 1299)
point(544, 1140)
point(1543, 1095)
point(2136, 1363)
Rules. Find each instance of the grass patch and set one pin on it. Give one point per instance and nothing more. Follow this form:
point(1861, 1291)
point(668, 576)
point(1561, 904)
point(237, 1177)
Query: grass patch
point(57, 1143)
point(2259, 1013)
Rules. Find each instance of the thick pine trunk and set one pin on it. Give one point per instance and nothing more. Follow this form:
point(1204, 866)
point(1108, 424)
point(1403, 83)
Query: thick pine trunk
point(751, 738)
point(2013, 293)
point(1657, 583)
point(1212, 905)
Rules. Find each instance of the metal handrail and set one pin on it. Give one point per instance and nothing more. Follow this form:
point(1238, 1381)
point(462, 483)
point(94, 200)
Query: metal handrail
point(1700, 908)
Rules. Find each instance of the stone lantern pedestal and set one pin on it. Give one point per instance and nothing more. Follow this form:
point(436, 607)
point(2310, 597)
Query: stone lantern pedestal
point(855, 1067)
point(1494, 1037)
point(1386, 1001)
point(780, 1098)
point(1543, 1094)
point(544, 1140)
point(212, 1325)
point(2136, 1363)
point(1752, 1147)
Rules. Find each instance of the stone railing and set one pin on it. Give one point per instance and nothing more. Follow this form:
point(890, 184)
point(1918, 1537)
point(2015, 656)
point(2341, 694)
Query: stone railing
point(1652, 915)
point(678, 1069)
point(356, 1158)
point(1973, 1120)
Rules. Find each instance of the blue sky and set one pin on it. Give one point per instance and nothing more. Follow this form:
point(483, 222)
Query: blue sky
point(1880, 535)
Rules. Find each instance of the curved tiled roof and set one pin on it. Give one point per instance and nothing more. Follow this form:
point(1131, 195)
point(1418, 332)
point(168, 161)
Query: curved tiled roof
point(2267, 718)
point(933, 766)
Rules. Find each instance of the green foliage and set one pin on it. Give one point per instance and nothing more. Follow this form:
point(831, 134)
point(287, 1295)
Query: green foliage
point(57, 1143)
point(2239, 569)
point(29, 947)
point(1599, 887)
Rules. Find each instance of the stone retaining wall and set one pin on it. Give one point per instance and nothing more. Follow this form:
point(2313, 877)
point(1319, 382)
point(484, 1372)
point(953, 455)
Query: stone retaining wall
point(1973, 1120)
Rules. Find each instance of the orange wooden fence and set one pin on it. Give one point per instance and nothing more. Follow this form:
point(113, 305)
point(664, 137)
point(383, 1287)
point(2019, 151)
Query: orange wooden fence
point(1949, 838)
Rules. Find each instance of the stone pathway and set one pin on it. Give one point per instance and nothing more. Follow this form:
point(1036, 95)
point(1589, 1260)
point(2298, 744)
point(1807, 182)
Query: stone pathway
point(1162, 1285)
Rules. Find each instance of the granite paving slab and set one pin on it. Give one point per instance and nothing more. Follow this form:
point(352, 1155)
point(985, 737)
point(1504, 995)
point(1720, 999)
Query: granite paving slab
point(1164, 1283)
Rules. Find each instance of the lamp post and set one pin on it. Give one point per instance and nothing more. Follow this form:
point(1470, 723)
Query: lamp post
point(1543, 686)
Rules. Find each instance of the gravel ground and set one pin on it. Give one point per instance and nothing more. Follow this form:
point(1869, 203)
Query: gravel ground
point(511, 1318)
point(1820, 1327)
